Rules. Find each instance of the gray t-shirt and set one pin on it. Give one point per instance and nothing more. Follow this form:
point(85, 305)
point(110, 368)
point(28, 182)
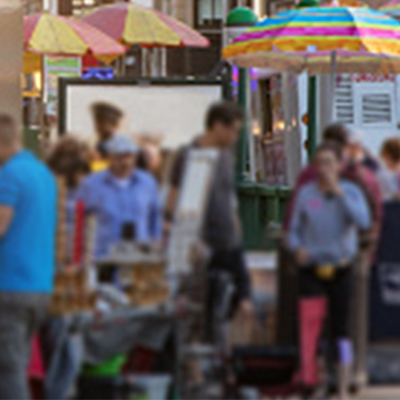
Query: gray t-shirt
point(220, 228)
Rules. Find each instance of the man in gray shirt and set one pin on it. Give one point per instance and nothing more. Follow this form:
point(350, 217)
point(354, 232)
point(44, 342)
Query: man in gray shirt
point(323, 234)
point(221, 227)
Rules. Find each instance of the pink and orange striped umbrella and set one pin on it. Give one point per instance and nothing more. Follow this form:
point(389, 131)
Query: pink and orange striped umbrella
point(56, 35)
point(131, 24)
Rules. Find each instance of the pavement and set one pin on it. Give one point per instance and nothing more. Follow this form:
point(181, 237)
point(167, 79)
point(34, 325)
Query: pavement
point(380, 393)
point(261, 260)
point(266, 261)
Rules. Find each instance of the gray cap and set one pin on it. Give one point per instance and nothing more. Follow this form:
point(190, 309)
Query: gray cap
point(121, 145)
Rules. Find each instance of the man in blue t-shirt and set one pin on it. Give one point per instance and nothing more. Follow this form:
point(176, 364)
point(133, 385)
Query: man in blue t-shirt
point(28, 198)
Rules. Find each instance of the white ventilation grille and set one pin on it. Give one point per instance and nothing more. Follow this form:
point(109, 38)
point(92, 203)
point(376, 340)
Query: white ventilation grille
point(376, 108)
point(344, 100)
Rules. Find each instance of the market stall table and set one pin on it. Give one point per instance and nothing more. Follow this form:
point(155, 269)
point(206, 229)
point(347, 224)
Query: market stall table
point(93, 337)
point(90, 338)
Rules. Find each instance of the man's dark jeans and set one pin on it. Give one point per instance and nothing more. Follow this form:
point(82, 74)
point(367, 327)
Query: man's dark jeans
point(20, 318)
point(228, 284)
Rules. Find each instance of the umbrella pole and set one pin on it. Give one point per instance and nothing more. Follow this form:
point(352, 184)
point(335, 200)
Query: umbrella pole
point(242, 146)
point(312, 117)
point(333, 86)
point(42, 111)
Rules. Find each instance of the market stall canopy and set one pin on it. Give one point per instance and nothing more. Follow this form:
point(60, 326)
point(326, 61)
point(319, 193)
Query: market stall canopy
point(348, 3)
point(375, 3)
point(392, 8)
point(61, 36)
point(131, 24)
point(362, 40)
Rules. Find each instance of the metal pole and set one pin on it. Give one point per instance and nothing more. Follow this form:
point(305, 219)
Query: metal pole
point(143, 69)
point(312, 117)
point(225, 8)
point(164, 54)
point(312, 97)
point(333, 85)
point(242, 147)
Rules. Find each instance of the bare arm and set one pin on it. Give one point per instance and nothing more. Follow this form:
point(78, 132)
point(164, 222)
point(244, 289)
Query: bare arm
point(176, 179)
point(356, 206)
point(172, 200)
point(294, 239)
point(6, 215)
point(9, 196)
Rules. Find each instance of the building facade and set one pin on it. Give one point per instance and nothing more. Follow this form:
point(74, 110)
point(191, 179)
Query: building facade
point(206, 16)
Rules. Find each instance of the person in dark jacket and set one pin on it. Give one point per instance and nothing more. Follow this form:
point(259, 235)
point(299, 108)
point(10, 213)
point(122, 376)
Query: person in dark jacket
point(221, 227)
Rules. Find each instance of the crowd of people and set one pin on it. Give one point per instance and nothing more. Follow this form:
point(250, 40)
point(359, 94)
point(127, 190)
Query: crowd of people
point(332, 226)
point(117, 183)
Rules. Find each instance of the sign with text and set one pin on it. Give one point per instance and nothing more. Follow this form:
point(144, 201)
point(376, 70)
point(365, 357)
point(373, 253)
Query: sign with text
point(54, 68)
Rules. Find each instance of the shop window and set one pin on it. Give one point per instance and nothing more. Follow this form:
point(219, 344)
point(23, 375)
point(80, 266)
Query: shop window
point(276, 6)
point(209, 13)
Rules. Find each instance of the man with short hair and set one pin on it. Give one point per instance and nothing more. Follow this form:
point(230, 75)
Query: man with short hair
point(124, 199)
point(28, 201)
point(107, 120)
point(221, 226)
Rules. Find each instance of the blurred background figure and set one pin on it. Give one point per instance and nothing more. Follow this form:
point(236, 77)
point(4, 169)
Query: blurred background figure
point(323, 234)
point(354, 169)
point(221, 227)
point(124, 199)
point(150, 155)
point(358, 153)
point(107, 121)
point(389, 172)
point(69, 161)
point(28, 202)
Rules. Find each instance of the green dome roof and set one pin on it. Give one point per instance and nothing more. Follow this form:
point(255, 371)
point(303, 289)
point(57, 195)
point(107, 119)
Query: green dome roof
point(241, 16)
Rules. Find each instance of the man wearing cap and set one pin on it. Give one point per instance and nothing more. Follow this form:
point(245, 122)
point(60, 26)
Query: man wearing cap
point(123, 199)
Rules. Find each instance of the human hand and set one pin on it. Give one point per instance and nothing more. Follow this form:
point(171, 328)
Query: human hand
point(334, 184)
point(301, 256)
point(199, 252)
point(246, 307)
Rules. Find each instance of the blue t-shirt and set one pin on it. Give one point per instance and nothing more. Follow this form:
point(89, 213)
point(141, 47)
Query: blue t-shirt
point(27, 249)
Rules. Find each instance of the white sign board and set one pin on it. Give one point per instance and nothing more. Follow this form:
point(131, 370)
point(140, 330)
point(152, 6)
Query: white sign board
point(173, 112)
point(145, 3)
point(192, 203)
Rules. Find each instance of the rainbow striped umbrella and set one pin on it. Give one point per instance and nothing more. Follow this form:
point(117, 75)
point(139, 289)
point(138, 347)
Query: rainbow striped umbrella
point(392, 8)
point(319, 39)
point(131, 23)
